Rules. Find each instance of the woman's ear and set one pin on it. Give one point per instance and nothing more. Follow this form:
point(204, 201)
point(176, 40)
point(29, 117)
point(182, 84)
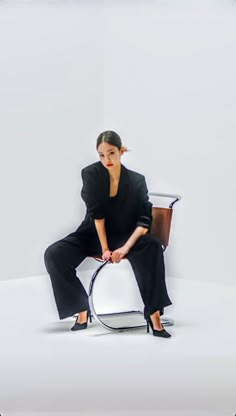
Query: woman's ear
point(122, 150)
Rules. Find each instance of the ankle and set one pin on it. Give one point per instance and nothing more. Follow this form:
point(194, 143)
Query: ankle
point(82, 317)
point(156, 321)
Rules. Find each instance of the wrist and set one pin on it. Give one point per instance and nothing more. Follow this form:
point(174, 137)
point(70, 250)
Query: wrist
point(105, 249)
point(127, 246)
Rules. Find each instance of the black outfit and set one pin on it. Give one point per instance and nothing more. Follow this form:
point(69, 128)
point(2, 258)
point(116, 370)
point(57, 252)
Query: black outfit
point(123, 213)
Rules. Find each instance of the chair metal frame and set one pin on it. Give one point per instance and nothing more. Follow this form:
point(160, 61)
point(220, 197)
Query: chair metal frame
point(164, 240)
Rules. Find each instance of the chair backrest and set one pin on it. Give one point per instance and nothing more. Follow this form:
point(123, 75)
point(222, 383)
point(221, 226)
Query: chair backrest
point(161, 223)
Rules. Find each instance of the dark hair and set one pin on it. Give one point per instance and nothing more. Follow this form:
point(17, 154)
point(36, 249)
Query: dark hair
point(110, 137)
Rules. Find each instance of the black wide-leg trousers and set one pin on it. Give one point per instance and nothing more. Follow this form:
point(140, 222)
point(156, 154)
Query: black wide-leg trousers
point(64, 256)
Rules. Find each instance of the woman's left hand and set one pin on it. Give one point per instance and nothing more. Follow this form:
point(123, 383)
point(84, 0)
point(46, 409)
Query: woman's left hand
point(118, 254)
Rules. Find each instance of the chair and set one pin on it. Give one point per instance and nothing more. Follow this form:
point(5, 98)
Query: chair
point(161, 226)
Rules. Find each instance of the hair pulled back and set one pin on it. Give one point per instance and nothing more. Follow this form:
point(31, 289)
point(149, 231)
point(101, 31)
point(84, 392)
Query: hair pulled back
point(110, 137)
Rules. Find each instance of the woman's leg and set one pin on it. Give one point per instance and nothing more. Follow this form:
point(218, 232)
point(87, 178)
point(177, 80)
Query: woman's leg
point(147, 260)
point(61, 260)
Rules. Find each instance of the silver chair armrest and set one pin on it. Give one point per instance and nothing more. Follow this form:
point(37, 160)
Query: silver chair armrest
point(175, 197)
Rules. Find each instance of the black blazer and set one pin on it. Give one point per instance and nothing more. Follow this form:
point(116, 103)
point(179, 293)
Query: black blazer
point(132, 205)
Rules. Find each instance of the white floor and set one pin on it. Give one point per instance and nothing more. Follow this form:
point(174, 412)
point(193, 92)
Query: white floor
point(47, 369)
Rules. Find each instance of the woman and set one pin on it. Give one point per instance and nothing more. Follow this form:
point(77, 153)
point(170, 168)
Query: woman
point(116, 225)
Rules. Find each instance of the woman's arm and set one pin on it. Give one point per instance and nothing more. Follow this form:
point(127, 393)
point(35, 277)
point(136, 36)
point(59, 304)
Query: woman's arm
point(91, 192)
point(121, 252)
point(138, 232)
point(143, 224)
point(101, 231)
point(144, 206)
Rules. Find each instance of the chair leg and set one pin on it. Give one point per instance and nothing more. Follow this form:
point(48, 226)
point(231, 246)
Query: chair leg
point(97, 317)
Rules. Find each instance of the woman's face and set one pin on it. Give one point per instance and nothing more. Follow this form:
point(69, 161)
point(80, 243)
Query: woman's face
point(109, 155)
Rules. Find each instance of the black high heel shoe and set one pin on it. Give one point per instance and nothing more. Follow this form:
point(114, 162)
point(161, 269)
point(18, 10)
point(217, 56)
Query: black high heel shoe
point(78, 327)
point(162, 333)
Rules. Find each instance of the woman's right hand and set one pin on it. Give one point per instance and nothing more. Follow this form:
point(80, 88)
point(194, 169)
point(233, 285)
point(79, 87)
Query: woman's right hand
point(106, 255)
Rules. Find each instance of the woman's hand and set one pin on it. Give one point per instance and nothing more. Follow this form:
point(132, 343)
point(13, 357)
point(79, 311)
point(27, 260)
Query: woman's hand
point(118, 254)
point(106, 255)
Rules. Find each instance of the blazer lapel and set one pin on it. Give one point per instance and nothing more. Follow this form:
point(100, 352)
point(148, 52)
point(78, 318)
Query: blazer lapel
point(104, 190)
point(123, 189)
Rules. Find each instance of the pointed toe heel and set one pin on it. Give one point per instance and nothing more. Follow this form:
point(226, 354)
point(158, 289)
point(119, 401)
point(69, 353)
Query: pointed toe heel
point(157, 333)
point(78, 327)
point(163, 333)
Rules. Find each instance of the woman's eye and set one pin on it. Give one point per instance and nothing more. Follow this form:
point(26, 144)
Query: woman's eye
point(111, 153)
point(101, 156)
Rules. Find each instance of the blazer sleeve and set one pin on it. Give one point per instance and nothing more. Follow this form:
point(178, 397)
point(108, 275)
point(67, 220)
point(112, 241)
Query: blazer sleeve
point(90, 195)
point(144, 206)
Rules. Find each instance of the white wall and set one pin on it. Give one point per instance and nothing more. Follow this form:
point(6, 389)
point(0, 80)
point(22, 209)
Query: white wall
point(51, 109)
point(170, 92)
point(165, 73)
